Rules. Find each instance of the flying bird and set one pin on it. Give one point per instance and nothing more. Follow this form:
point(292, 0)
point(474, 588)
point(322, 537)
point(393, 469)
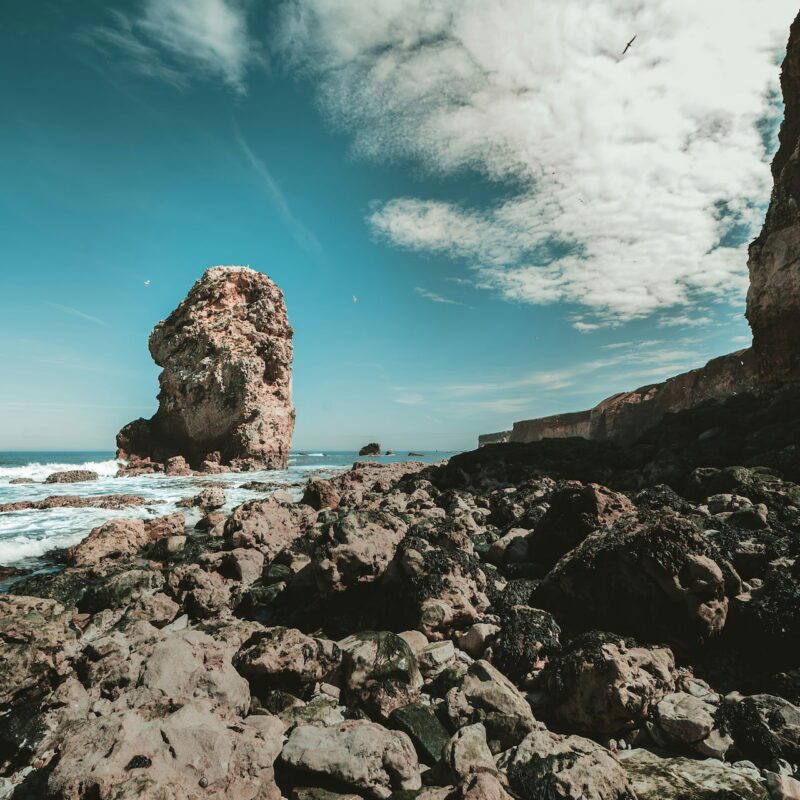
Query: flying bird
point(355, 299)
point(628, 46)
point(147, 282)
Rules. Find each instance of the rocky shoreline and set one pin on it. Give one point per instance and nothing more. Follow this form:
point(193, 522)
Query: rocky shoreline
point(500, 626)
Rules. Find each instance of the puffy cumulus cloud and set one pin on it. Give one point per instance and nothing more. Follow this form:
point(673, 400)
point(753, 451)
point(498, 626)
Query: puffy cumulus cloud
point(625, 176)
point(171, 39)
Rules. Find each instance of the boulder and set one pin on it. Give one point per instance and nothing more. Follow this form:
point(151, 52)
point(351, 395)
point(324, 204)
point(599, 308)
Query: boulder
point(119, 538)
point(359, 755)
point(320, 494)
point(286, 659)
point(371, 449)
point(379, 672)
point(184, 755)
point(354, 548)
point(36, 643)
point(268, 525)
point(486, 695)
point(226, 382)
point(655, 577)
point(424, 729)
point(675, 778)
point(764, 728)
point(604, 684)
point(467, 753)
point(575, 511)
point(527, 638)
point(436, 587)
point(72, 476)
point(546, 766)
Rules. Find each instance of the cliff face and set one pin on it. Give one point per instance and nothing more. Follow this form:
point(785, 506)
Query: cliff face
point(226, 385)
point(773, 310)
point(773, 301)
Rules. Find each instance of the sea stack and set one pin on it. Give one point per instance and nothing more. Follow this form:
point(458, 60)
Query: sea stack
point(226, 383)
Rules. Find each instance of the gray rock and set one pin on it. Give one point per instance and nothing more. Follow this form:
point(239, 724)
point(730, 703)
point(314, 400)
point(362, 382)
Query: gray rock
point(656, 778)
point(360, 755)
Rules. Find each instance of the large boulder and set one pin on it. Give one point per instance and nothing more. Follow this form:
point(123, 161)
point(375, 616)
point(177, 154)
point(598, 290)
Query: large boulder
point(486, 695)
point(286, 659)
point(546, 766)
point(358, 755)
point(604, 684)
point(36, 641)
point(379, 672)
point(189, 754)
point(657, 778)
point(575, 512)
point(655, 577)
point(118, 538)
point(226, 382)
point(71, 476)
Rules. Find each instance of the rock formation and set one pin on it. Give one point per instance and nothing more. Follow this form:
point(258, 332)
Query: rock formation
point(226, 382)
point(773, 301)
point(773, 311)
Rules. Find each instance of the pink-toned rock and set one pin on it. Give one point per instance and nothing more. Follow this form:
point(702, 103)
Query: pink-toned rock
point(190, 753)
point(287, 659)
point(36, 641)
point(268, 525)
point(177, 466)
point(74, 501)
point(226, 383)
point(357, 754)
point(320, 494)
point(122, 537)
point(603, 684)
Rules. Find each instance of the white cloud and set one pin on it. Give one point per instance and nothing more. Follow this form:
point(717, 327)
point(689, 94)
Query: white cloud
point(685, 321)
point(436, 298)
point(410, 399)
point(75, 312)
point(624, 175)
point(173, 39)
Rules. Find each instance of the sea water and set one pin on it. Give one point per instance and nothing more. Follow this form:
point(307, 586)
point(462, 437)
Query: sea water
point(26, 537)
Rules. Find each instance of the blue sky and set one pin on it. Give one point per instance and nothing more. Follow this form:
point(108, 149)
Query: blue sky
point(521, 238)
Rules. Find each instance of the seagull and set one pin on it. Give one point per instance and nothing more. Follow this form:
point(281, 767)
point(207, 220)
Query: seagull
point(355, 299)
point(628, 46)
point(147, 282)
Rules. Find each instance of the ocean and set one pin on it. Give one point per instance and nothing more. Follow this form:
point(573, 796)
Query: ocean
point(26, 537)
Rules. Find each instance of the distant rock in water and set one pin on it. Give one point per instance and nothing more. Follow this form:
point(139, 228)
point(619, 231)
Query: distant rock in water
point(72, 476)
point(226, 383)
point(371, 449)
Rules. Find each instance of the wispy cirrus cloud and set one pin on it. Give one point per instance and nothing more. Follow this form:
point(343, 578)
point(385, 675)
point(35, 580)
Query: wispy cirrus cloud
point(76, 312)
point(437, 298)
point(174, 40)
point(301, 233)
point(625, 178)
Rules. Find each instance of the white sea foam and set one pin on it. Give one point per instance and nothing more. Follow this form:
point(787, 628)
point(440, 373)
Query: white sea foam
point(27, 536)
point(38, 472)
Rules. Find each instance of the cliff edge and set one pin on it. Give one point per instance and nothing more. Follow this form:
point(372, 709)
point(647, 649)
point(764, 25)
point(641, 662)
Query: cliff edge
point(773, 311)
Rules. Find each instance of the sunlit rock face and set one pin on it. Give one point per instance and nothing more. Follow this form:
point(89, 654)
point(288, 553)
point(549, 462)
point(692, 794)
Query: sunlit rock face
point(226, 381)
point(773, 301)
